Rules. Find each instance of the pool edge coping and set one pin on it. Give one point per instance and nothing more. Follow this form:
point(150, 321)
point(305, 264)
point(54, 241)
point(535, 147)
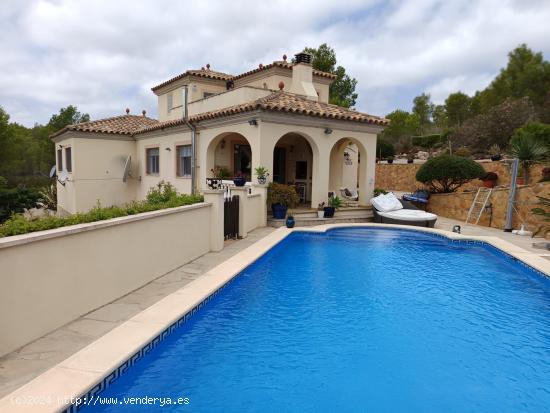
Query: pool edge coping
point(79, 373)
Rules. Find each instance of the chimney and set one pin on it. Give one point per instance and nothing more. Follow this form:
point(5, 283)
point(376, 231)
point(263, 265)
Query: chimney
point(302, 77)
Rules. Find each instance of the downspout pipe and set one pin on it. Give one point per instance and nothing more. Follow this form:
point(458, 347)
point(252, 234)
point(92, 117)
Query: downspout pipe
point(193, 140)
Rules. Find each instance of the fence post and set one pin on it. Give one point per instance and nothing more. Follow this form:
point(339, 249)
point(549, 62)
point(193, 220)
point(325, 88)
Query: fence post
point(262, 190)
point(242, 192)
point(215, 197)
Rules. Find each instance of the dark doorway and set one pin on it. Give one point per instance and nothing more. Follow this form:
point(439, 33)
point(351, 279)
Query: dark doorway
point(242, 160)
point(279, 165)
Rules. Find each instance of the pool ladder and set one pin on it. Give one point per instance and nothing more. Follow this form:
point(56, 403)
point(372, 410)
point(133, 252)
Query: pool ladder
point(479, 204)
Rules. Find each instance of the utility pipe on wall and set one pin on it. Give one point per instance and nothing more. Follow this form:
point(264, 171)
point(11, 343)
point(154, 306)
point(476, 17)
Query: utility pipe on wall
point(511, 196)
point(193, 140)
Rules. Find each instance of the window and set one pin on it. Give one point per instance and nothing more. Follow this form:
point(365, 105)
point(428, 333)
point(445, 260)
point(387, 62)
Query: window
point(59, 160)
point(69, 159)
point(169, 102)
point(183, 154)
point(152, 155)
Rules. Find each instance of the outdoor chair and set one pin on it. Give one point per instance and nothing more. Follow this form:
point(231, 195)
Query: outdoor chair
point(349, 198)
point(388, 209)
point(419, 196)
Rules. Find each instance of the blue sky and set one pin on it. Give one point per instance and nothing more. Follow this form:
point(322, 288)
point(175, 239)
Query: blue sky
point(104, 55)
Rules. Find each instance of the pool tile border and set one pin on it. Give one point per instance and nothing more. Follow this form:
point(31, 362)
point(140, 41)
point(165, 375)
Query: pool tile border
point(91, 370)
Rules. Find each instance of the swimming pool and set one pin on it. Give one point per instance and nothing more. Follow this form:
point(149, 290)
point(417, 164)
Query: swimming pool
point(359, 319)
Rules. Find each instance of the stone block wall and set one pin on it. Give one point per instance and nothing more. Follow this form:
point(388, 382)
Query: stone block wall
point(456, 206)
point(401, 177)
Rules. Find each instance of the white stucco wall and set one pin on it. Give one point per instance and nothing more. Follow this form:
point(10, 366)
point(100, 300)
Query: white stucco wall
point(98, 166)
point(167, 161)
point(49, 278)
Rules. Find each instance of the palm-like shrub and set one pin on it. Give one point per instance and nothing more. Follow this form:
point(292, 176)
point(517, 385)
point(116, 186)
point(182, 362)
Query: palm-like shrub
point(447, 173)
point(527, 150)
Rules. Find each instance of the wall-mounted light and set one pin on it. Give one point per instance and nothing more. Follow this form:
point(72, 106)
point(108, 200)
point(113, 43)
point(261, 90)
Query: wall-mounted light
point(168, 149)
point(328, 131)
point(222, 143)
point(253, 122)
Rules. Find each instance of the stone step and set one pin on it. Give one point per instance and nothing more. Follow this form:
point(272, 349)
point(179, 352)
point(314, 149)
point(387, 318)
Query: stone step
point(307, 221)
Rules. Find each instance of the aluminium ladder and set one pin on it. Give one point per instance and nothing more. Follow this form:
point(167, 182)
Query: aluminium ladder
point(479, 204)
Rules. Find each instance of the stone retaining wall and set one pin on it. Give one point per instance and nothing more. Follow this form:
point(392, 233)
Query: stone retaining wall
point(456, 205)
point(401, 177)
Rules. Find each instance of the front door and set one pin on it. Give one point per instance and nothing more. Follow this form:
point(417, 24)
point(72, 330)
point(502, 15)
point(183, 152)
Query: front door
point(279, 165)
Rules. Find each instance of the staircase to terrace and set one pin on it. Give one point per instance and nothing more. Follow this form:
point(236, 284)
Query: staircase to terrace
point(306, 217)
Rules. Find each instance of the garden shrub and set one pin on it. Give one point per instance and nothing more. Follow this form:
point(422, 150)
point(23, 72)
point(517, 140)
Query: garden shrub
point(446, 173)
point(384, 149)
point(161, 197)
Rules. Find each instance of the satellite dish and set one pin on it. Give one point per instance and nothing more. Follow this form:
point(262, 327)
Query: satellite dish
point(127, 166)
point(53, 172)
point(63, 177)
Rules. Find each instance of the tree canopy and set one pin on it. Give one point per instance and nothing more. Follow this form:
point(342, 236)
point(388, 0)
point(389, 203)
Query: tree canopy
point(27, 154)
point(519, 94)
point(342, 90)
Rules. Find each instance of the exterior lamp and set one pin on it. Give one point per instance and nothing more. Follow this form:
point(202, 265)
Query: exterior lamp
point(253, 122)
point(328, 131)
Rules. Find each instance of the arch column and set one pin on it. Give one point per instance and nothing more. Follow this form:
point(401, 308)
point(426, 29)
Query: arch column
point(320, 176)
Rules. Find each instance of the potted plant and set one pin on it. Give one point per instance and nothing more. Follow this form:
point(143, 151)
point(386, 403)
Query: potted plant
point(334, 203)
point(390, 159)
point(280, 197)
point(494, 152)
point(290, 221)
point(321, 210)
point(262, 174)
point(220, 173)
point(520, 179)
point(489, 180)
point(545, 174)
point(239, 179)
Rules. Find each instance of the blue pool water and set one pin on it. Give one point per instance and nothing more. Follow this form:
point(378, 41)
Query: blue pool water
point(360, 320)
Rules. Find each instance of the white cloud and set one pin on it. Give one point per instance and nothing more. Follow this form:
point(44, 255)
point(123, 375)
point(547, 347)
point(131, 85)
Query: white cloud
point(104, 55)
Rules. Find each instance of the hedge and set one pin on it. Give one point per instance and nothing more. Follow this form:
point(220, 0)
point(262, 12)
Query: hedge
point(161, 197)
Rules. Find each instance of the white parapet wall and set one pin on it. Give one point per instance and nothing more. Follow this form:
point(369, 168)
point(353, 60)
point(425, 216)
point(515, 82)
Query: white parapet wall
point(50, 278)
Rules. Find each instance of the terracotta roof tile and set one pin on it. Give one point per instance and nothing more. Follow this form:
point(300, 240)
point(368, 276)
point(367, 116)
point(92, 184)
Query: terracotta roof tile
point(286, 65)
point(120, 125)
point(280, 102)
point(211, 74)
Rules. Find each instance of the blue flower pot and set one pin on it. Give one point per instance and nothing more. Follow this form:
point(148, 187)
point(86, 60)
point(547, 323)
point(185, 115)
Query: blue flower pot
point(290, 222)
point(239, 181)
point(279, 211)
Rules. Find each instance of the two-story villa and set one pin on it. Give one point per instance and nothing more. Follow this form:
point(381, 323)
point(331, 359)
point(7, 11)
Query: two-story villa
point(276, 116)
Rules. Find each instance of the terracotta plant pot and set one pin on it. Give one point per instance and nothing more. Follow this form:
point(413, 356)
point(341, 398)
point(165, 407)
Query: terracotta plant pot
point(520, 180)
point(489, 184)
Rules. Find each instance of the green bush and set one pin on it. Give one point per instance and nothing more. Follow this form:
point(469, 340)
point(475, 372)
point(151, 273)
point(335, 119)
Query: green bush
point(161, 197)
point(446, 173)
point(16, 200)
point(384, 149)
point(539, 132)
point(282, 194)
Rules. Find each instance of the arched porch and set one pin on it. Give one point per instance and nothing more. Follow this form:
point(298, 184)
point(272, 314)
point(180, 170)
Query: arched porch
point(347, 172)
point(293, 162)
